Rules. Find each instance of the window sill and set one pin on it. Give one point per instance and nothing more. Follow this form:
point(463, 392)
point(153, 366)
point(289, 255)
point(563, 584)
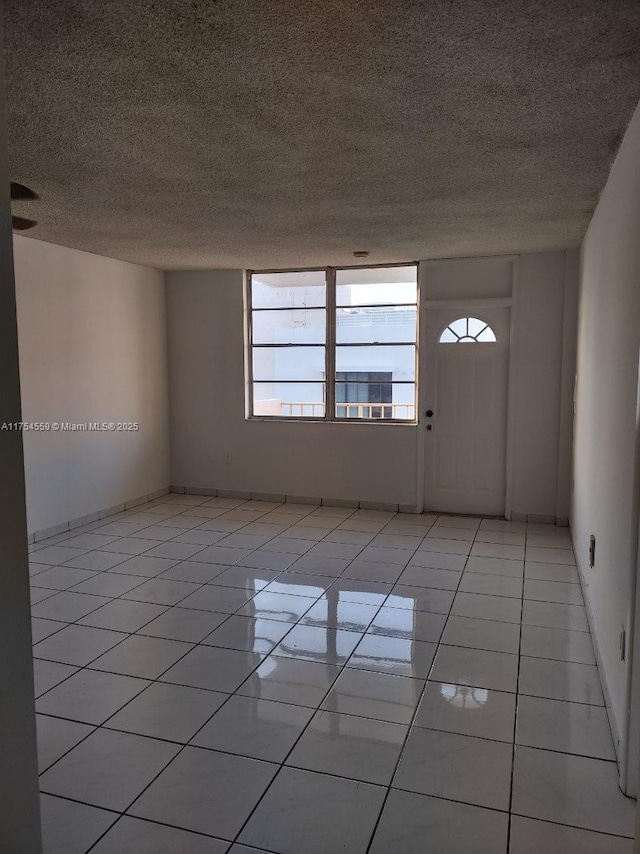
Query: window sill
point(379, 421)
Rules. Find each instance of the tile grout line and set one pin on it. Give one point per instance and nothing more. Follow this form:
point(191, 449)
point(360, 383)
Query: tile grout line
point(324, 774)
point(282, 764)
point(312, 661)
point(280, 573)
point(182, 748)
point(516, 709)
point(138, 631)
point(186, 653)
point(413, 717)
point(111, 599)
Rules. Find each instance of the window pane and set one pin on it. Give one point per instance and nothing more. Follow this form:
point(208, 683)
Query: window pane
point(377, 286)
point(399, 362)
point(459, 326)
point(475, 325)
point(280, 290)
point(487, 335)
point(386, 401)
point(448, 337)
point(288, 363)
point(296, 326)
point(358, 389)
point(289, 400)
point(370, 325)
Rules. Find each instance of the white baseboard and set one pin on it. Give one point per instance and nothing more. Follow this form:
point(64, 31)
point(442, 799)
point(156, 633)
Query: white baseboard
point(615, 732)
point(54, 530)
point(326, 501)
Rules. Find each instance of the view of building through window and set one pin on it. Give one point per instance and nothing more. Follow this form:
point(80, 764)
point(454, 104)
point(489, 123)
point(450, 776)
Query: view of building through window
point(369, 341)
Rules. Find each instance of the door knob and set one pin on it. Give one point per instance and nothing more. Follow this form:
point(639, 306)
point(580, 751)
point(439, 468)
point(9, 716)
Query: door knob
point(429, 426)
point(429, 413)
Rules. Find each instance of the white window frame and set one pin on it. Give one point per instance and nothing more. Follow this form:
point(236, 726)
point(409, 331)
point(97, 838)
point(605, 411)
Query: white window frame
point(330, 349)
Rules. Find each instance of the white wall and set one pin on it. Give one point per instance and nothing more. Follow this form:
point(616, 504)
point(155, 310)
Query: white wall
point(92, 340)
point(605, 499)
point(213, 446)
point(206, 346)
point(542, 360)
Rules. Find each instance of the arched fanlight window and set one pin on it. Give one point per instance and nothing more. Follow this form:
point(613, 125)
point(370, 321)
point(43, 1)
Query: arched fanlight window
point(468, 330)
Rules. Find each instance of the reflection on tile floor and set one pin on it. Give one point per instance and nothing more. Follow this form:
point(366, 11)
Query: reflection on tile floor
point(216, 675)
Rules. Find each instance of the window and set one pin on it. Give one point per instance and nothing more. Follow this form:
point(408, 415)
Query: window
point(468, 330)
point(375, 335)
point(288, 344)
point(334, 344)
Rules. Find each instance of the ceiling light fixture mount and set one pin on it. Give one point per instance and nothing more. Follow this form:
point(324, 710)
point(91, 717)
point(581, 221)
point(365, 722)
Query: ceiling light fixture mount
point(22, 193)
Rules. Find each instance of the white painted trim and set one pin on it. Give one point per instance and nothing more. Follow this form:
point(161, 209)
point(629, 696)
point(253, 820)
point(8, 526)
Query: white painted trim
point(120, 507)
point(421, 402)
point(158, 493)
point(630, 755)
point(273, 497)
point(541, 518)
point(303, 499)
point(247, 321)
point(564, 459)
point(511, 388)
point(482, 302)
point(63, 527)
point(379, 505)
point(437, 261)
point(327, 501)
point(330, 344)
point(340, 502)
point(615, 734)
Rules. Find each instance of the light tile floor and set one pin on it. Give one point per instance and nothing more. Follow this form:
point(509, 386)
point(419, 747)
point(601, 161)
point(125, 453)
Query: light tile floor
point(219, 675)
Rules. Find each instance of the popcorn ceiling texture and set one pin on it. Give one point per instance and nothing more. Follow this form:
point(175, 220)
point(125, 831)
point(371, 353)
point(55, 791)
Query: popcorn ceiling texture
point(257, 133)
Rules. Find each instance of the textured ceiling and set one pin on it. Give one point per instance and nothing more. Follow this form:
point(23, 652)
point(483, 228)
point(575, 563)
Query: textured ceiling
point(259, 133)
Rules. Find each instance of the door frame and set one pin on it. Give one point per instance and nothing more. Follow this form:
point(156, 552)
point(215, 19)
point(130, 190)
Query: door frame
point(628, 755)
point(465, 305)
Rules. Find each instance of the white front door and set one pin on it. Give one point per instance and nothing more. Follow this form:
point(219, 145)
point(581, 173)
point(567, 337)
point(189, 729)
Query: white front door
point(466, 372)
